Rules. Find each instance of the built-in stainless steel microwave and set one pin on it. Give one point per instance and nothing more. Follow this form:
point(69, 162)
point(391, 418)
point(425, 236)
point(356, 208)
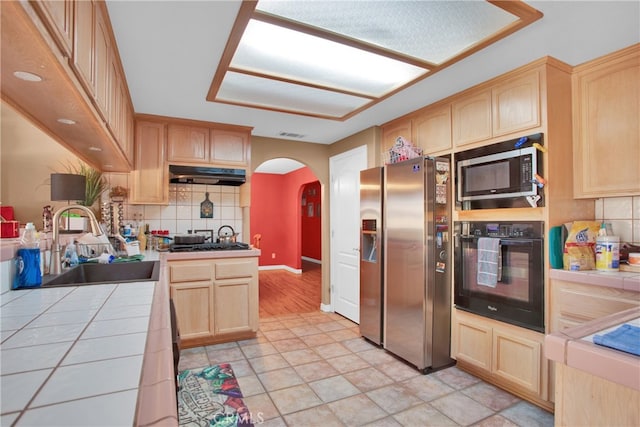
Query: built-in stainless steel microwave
point(504, 175)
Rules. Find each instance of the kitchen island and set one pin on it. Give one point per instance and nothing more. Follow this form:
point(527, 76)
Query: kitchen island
point(595, 385)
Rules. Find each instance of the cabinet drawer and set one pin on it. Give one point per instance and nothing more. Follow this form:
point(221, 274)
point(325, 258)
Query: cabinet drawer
point(234, 269)
point(189, 272)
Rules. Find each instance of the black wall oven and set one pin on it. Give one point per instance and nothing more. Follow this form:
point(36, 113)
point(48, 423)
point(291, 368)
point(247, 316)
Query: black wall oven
point(499, 271)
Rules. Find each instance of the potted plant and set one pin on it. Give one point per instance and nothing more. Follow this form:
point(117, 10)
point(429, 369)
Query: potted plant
point(96, 182)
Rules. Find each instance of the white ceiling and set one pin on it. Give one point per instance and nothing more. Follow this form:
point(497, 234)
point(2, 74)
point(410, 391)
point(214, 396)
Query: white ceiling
point(170, 51)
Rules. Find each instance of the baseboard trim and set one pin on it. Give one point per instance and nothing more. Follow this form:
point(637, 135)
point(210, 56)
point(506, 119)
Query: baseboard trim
point(280, 267)
point(316, 261)
point(326, 308)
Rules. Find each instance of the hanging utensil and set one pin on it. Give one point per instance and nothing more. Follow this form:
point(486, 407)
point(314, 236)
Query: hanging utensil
point(206, 207)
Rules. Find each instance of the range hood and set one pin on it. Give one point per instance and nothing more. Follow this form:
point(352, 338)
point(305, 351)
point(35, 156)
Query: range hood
point(204, 175)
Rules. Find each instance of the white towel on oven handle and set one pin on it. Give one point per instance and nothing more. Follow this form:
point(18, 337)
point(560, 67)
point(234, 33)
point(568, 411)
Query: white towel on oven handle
point(488, 261)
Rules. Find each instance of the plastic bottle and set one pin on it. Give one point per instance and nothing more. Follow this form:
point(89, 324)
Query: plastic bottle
point(30, 238)
point(71, 255)
point(608, 253)
point(27, 261)
point(142, 239)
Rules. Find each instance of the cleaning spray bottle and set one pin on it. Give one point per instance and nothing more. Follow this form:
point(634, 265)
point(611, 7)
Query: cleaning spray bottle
point(27, 261)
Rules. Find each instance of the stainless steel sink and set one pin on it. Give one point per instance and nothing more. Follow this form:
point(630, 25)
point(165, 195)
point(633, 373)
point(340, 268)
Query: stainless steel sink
point(94, 274)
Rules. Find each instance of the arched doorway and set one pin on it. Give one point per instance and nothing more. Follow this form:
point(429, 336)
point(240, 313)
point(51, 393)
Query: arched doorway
point(286, 198)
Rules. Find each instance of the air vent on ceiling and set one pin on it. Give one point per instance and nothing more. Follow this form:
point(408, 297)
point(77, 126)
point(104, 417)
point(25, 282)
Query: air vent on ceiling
point(291, 135)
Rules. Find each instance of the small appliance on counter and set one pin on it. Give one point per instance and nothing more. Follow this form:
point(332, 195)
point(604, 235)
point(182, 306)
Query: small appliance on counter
point(9, 227)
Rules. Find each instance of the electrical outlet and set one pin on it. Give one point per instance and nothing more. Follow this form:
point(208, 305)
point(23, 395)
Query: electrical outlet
point(273, 255)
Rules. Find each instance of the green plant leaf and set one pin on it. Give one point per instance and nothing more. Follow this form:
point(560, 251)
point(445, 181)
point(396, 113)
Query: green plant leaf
point(96, 183)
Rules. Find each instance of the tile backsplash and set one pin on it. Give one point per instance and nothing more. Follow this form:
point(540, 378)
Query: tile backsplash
point(624, 215)
point(183, 211)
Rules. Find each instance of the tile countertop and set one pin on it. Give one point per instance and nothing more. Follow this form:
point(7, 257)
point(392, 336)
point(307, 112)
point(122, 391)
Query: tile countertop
point(103, 352)
point(627, 280)
point(575, 348)
point(72, 354)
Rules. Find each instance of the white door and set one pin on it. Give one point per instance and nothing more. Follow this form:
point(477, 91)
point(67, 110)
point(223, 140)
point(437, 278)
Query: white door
point(344, 170)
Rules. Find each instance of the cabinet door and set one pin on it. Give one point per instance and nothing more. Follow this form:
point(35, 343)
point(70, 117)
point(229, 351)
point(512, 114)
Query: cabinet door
point(188, 144)
point(232, 309)
point(432, 130)
point(516, 104)
point(471, 118)
point(236, 295)
point(149, 180)
point(58, 14)
point(127, 122)
point(194, 309)
point(102, 61)
point(606, 148)
point(392, 131)
point(229, 147)
point(473, 342)
point(83, 34)
point(517, 359)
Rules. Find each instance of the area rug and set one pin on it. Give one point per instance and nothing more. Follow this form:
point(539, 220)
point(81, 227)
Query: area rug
point(211, 397)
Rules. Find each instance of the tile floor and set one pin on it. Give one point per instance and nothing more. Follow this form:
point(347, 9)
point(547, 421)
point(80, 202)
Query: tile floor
point(314, 369)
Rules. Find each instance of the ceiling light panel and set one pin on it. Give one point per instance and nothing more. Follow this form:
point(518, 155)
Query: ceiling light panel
point(246, 89)
point(287, 54)
point(419, 29)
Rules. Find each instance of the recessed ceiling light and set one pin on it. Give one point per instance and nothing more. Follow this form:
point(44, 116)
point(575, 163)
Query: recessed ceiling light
point(92, 148)
point(29, 77)
point(67, 121)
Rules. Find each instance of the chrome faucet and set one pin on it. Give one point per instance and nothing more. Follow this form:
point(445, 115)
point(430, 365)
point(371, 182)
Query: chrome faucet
point(55, 263)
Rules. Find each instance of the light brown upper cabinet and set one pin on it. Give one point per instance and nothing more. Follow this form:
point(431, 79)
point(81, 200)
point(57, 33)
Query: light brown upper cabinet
point(431, 129)
point(471, 118)
point(508, 106)
point(83, 35)
point(606, 130)
point(120, 119)
point(391, 131)
point(149, 179)
point(229, 147)
point(188, 144)
point(101, 62)
point(208, 145)
point(516, 104)
point(58, 16)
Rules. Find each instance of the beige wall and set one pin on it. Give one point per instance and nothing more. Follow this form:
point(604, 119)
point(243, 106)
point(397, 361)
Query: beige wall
point(316, 157)
point(28, 157)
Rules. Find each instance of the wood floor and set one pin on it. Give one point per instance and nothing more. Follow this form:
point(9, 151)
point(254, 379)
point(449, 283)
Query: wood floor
point(283, 292)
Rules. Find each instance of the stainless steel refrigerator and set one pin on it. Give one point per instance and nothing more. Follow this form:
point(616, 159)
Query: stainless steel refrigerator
point(417, 262)
point(371, 254)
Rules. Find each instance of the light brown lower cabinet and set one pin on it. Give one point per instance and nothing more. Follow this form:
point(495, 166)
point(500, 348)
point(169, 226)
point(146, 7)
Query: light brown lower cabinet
point(573, 303)
point(503, 354)
point(583, 399)
point(216, 300)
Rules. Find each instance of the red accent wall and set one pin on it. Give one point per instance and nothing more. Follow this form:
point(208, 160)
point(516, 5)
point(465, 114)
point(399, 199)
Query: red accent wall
point(276, 215)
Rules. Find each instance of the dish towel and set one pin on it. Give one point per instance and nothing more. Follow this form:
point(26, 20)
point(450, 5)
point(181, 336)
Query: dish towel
point(625, 338)
point(488, 257)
